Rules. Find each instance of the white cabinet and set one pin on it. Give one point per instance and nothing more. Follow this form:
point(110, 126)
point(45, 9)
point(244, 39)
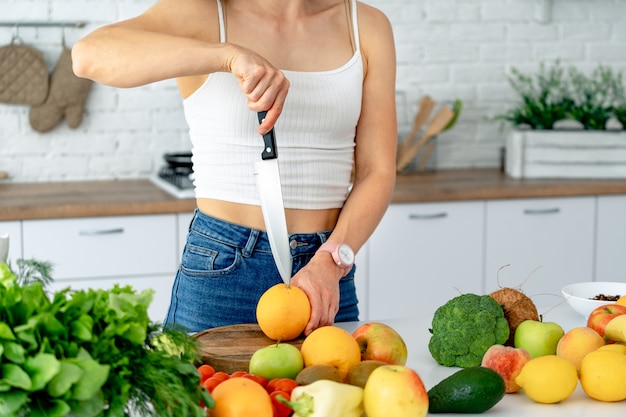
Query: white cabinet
point(140, 251)
point(421, 255)
point(13, 230)
point(611, 238)
point(554, 237)
point(184, 220)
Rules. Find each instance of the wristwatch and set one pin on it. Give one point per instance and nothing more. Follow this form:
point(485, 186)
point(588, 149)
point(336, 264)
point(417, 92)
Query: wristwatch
point(343, 255)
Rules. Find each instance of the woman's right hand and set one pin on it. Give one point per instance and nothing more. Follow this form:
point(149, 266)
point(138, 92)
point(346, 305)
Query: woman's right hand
point(264, 86)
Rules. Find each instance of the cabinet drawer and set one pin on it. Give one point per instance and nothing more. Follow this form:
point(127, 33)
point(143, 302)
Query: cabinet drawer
point(547, 244)
point(421, 255)
point(103, 246)
point(14, 232)
point(611, 239)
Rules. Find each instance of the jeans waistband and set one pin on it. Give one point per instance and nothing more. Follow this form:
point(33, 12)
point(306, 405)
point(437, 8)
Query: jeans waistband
point(249, 239)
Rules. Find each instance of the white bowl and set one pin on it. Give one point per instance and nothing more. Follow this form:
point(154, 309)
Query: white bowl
point(580, 295)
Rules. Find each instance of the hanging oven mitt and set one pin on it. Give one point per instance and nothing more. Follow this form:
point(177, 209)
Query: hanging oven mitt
point(67, 97)
point(23, 75)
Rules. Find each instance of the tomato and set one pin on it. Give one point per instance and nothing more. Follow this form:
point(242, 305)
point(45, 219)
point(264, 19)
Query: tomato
point(238, 374)
point(280, 409)
point(281, 384)
point(257, 378)
point(222, 376)
point(211, 383)
point(206, 371)
point(241, 397)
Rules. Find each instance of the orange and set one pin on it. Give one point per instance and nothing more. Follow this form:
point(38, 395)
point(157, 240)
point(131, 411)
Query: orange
point(330, 345)
point(283, 312)
point(241, 397)
point(622, 300)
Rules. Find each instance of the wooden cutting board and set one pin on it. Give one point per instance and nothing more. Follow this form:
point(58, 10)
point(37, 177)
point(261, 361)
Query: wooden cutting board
point(230, 348)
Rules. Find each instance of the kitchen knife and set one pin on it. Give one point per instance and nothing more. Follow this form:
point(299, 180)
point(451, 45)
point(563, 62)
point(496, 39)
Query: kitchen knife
point(268, 183)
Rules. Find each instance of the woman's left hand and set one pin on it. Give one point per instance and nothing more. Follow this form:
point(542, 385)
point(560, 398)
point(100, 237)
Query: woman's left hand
point(319, 279)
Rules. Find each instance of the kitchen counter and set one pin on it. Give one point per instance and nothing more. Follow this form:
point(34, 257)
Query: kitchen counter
point(26, 201)
point(415, 334)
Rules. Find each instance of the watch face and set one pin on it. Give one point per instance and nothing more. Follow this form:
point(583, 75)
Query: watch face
point(346, 254)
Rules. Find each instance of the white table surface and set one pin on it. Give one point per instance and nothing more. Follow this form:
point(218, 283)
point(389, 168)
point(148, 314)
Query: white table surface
point(416, 335)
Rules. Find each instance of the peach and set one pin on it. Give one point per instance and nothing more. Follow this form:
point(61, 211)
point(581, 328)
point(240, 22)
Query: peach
point(577, 342)
point(507, 361)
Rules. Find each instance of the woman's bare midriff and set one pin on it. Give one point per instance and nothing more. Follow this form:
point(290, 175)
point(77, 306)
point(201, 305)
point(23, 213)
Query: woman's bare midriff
point(298, 221)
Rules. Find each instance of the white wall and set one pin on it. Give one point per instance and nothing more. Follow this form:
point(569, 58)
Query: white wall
point(446, 48)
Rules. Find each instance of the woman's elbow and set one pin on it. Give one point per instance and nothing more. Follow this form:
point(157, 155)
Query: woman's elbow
point(81, 62)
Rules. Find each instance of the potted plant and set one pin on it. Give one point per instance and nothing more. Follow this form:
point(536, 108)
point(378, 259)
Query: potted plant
point(567, 124)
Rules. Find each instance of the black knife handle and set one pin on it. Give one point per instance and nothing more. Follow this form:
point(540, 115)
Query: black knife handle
point(269, 141)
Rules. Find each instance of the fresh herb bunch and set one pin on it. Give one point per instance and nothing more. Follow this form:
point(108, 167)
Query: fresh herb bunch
point(544, 97)
point(594, 97)
point(555, 93)
point(31, 270)
point(91, 353)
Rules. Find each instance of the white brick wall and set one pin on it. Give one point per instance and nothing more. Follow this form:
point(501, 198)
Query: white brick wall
point(446, 48)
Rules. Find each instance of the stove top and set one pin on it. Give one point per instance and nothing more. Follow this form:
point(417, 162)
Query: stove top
point(178, 181)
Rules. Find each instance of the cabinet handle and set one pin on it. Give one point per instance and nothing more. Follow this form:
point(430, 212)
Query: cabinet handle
point(440, 215)
point(552, 210)
point(118, 230)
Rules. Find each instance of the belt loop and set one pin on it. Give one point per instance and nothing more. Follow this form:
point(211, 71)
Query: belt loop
point(322, 236)
point(251, 243)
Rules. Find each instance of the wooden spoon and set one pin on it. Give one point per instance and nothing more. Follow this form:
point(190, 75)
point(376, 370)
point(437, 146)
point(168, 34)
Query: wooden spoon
point(441, 119)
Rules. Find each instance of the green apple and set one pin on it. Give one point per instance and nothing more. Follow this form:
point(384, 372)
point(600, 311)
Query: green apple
point(538, 338)
point(280, 360)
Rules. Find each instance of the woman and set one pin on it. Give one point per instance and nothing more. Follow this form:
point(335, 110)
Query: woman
point(324, 70)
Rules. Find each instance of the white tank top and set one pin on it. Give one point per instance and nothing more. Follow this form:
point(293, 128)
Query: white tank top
point(314, 135)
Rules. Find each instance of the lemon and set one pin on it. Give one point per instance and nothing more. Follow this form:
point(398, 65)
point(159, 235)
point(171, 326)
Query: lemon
point(548, 379)
point(614, 347)
point(603, 375)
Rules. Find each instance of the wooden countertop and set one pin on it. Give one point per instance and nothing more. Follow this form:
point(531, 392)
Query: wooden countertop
point(27, 201)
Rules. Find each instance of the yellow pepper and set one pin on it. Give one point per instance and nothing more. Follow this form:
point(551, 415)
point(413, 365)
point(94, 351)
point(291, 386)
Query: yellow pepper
point(324, 398)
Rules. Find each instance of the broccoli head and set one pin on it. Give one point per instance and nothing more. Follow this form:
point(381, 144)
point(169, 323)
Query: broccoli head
point(464, 328)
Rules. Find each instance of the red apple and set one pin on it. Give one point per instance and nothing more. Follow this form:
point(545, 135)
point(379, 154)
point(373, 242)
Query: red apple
point(395, 390)
point(508, 362)
point(600, 316)
point(380, 342)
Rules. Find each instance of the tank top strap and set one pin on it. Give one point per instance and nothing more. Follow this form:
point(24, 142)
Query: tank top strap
point(355, 26)
point(220, 15)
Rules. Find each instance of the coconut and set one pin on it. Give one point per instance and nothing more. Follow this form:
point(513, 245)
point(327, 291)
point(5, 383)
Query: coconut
point(517, 308)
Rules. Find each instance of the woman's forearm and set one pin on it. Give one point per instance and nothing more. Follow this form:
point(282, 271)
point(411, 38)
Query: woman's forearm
point(123, 57)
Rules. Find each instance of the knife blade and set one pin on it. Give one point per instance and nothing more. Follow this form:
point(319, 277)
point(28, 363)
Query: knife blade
point(267, 178)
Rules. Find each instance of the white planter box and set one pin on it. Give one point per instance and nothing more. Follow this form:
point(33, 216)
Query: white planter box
point(566, 154)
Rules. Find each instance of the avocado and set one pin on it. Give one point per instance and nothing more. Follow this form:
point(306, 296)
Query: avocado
point(470, 390)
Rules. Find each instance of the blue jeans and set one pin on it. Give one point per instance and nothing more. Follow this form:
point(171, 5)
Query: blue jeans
point(225, 268)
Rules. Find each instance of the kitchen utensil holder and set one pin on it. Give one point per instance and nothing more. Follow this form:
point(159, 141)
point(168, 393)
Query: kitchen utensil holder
point(418, 165)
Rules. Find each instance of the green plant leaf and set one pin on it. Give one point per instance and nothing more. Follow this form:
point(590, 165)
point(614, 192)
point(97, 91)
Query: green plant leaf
point(14, 352)
point(42, 368)
point(67, 376)
point(54, 408)
point(5, 332)
point(15, 376)
point(12, 402)
point(93, 378)
point(82, 328)
point(89, 408)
